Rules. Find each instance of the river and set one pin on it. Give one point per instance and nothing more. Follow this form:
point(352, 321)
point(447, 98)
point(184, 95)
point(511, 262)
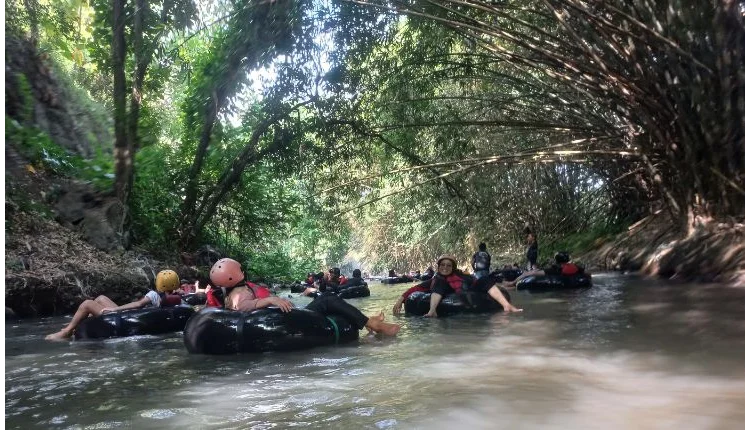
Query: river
point(628, 353)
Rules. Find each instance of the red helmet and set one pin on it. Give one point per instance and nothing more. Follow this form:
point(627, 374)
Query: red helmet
point(226, 273)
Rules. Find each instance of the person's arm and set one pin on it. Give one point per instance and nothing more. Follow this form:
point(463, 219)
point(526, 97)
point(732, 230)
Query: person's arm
point(283, 304)
point(529, 273)
point(423, 286)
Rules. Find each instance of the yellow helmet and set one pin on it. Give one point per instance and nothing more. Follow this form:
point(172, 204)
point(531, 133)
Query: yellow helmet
point(167, 280)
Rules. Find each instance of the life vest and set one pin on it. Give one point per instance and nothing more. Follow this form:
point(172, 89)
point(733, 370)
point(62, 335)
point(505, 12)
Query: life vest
point(456, 282)
point(258, 291)
point(170, 300)
point(568, 269)
point(211, 300)
point(342, 280)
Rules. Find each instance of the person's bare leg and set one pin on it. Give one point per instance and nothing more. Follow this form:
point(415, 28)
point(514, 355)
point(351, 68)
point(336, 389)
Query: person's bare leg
point(379, 326)
point(496, 294)
point(88, 307)
point(106, 302)
point(434, 302)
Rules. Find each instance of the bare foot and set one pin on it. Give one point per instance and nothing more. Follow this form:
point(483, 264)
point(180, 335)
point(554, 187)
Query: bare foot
point(430, 315)
point(388, 329)
point(379, 326)
point(379, 317)
point(513, 309)
point(59, 336)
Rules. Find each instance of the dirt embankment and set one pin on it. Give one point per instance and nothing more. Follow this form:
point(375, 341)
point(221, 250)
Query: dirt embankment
point(712, 252)
point(50, 269)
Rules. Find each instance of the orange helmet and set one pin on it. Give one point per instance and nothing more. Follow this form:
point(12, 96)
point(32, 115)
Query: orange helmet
point(226, 273)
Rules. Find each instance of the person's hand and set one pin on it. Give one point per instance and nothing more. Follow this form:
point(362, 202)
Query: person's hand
point(283, 304)
point(397, 308)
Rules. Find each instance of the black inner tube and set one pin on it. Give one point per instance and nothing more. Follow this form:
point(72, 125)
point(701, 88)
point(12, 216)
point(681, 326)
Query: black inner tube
point(219, 331)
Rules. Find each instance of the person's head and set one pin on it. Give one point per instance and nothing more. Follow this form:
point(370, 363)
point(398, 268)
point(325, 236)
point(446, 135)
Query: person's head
point(203, 281)
point(166, 281)
point(335, 272)
point(226, 273)
point(562, 257)
point(446, 264)
point(483, 246)
point(357, 273)
point(318, 276)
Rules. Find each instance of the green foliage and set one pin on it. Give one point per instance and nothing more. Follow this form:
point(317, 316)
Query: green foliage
point(418, 105)
point(278, 265)
point(578, 243)
point(42, 152)
point(155, 204)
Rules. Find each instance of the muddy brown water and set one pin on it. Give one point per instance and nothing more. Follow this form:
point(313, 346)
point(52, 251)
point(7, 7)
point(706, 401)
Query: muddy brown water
point(628, 353)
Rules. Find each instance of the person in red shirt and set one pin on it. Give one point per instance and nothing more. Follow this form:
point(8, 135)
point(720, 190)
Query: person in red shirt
point(450, 280)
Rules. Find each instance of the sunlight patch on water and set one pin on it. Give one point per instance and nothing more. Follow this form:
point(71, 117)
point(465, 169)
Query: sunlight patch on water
point(157, 414)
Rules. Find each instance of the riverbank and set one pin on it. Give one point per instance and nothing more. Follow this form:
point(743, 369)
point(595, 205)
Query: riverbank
point(712, 252)
point(50, 269)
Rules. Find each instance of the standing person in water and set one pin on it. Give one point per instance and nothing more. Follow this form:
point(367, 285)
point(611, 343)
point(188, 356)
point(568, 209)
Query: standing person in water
point(450, 280)
point(480, 262)
point(228, 275)
point(532, 253)
point(166, 282)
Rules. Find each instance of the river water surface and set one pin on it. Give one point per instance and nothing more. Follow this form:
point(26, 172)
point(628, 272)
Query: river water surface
point(626, 354)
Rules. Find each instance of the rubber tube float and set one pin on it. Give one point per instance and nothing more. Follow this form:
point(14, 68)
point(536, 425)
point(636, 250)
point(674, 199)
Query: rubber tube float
point(133, 322)
point(219, 331)
point(544, 283)
point(418, 303)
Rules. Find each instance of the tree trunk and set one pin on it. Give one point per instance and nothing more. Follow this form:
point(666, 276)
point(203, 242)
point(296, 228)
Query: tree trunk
point(123, 161)
point(141, 63)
